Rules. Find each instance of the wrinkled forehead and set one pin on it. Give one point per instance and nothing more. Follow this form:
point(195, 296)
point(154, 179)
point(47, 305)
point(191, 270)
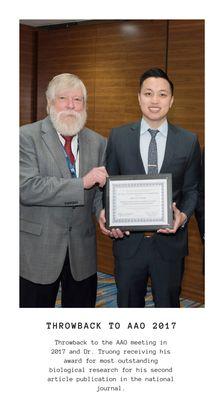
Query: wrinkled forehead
point(68, 90)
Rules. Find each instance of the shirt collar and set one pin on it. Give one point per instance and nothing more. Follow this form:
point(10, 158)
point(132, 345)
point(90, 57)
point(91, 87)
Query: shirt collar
point(75, 138)
point(163, 128)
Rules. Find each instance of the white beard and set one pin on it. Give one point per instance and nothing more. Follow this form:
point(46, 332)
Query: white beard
point(68, 123)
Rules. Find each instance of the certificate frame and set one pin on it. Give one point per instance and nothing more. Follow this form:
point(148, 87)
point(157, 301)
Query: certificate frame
point(129, 192)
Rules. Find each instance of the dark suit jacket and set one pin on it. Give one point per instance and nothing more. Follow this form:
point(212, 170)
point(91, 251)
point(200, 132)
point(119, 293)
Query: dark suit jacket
point(200, 209)
point(181, 159)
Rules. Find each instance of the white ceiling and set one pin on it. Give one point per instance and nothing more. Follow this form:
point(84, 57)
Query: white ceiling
point(46, 22)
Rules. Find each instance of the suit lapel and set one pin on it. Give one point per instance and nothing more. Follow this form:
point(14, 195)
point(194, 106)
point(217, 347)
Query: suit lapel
point(170, 146)
point(84, 152)
point(52, 141)
point(134, 148)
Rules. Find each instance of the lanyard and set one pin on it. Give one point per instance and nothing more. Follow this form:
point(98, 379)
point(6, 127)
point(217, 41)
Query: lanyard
point(71, 166)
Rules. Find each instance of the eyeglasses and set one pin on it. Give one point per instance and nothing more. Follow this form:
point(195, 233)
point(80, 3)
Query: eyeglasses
point(75, 99)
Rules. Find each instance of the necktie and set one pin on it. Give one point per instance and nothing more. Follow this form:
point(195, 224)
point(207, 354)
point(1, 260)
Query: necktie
point(152, 154)
point(68, 148)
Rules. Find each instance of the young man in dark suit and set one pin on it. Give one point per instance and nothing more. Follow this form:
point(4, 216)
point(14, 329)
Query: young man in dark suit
point(160, 254)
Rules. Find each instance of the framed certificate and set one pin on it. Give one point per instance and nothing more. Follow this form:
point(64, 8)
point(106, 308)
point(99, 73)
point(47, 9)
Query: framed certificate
point(139, 202)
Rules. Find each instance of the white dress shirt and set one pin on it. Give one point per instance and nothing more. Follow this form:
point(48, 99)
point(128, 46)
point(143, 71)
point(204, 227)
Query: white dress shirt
point(75, 150)
point(145, 138)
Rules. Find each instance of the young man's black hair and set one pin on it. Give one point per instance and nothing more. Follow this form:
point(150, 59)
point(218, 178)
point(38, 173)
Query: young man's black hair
point(156, 73)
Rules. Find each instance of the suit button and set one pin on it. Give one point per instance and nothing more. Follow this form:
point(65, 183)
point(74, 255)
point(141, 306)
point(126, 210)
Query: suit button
point(70, 228)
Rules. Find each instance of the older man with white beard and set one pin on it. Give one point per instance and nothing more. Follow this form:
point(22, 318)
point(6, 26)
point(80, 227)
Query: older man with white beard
point(61, 175)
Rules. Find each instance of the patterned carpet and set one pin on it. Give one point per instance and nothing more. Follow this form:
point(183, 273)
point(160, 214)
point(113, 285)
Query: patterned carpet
point(106, 294)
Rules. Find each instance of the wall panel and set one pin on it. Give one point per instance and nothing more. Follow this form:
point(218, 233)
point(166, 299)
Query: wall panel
point(124, 49)
point(71, 50)
point(28, 77)
point(186, 67)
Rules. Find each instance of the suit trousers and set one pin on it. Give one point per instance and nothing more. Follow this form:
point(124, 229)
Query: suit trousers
point(73, 293)
point(131, 276)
